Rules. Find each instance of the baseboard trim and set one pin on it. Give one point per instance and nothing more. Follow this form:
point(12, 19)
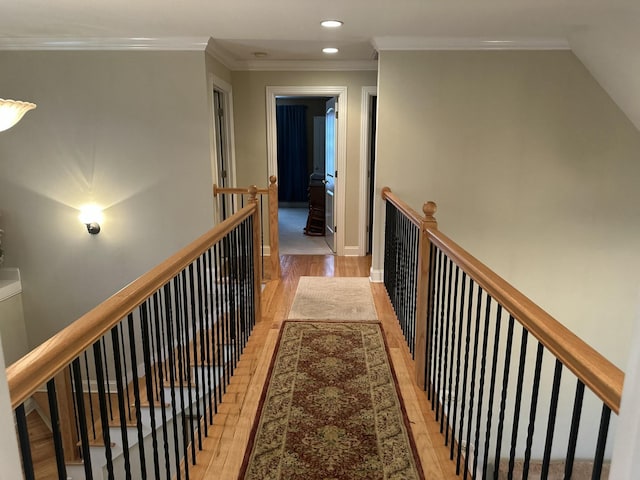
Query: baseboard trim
point(376, 275)
point(353, 251)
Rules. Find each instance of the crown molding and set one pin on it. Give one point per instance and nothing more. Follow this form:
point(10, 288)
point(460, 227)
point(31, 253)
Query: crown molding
point(311, 65)
point(97, 43)
point(224, 57)
point(452, 43)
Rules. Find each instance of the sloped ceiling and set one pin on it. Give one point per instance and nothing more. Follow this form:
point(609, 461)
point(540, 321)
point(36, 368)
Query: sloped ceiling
point(605, 35)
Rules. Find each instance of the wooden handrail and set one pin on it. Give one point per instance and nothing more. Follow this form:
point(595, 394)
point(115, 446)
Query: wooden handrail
point(272, 197)
point(401, 205)
point(594, 370)
point(45, 361)
point(237, 190)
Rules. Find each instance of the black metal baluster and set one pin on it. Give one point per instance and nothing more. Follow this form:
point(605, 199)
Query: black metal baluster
point(465, 377)
point(439, 334)
point(573, 433)
point(444, 340)
point(429, 319)
point(532, 414)
point(204, 367)
point(448, 392)
point(483, 365)
point(55, 429)
point(155, 330)
point(115, 341)
point(224, 264)
point(153, 358)
point(555, 393)
point(157, 366)
point(187, 371)
point(102, 400)
point(492, 385)
point(516, 413)
point(136, 391)
point(503, 399)
point(93, 420)
point(602, 442)
point(106, 373)
point(474, 357)
point(251, 274)
point(400, 277)
point(126, 373)
point(23, 439)
point(389, 253)
point(169, 317)
point(243, 285)
point(82, 417)
point(220, 329)
point(459, 350)
point(163, 348)
point(180, 333)
point(261, 233)
point(212, 316)
point(159, 299)
point(234, 297)
point(76, 417)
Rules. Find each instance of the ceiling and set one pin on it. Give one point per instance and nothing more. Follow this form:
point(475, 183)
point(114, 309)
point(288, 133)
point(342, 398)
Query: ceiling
point(603, 33)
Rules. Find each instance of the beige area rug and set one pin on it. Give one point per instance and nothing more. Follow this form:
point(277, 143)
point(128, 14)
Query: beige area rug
point(333, 298)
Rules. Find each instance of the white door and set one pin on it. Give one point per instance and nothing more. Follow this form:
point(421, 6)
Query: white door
point(330, 172)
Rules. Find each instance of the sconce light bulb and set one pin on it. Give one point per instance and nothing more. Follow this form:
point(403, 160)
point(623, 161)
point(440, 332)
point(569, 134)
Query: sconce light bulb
point(93, 228)
point(91, 216)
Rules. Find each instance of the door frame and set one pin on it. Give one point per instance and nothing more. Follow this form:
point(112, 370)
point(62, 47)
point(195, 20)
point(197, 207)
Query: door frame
point(216, 83)
point(340, 92)
point(365, 137)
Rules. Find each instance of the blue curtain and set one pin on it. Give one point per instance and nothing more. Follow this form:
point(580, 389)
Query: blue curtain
point(293, 175)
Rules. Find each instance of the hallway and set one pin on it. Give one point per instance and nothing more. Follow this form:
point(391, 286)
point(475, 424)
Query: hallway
point(224, 449)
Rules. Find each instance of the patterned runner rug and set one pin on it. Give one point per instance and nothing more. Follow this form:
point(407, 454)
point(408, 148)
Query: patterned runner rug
point(330, 409)
point(333, 298)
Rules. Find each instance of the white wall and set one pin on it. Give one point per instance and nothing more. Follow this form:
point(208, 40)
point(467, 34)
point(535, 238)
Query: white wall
point(9, 457)
point(128, 130)
point(534, 169)
point(609, 49)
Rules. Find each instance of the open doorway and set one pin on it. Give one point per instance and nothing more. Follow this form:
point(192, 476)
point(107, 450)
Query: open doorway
point(368, 119)
point(301, 137)
point(223, 154)
point(311, 179)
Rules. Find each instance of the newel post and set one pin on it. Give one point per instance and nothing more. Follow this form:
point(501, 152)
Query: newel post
point(257, 254)
point(423, 306)
point(274, 245)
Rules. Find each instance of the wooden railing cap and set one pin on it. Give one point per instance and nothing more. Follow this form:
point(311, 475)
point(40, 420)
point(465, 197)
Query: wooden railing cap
point(253, 192)
point(273, 179)
point(429, 209)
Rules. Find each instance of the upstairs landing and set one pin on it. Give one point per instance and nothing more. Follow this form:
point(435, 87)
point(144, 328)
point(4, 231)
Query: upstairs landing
point(224, 449)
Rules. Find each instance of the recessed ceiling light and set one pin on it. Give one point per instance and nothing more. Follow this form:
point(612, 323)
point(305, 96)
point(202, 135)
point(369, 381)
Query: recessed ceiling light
point(330, 50)
point(331, 23)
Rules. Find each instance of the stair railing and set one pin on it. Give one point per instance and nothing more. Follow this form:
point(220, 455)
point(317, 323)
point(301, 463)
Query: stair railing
point(133, 385)
point(470, 334)
point(230, 199)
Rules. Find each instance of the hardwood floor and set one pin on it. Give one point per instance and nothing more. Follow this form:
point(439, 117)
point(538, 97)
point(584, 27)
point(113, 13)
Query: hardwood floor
point(224, 448)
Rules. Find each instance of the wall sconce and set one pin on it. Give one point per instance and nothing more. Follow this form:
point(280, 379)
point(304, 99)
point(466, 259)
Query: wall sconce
point(11, 111)
point(91, 216)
